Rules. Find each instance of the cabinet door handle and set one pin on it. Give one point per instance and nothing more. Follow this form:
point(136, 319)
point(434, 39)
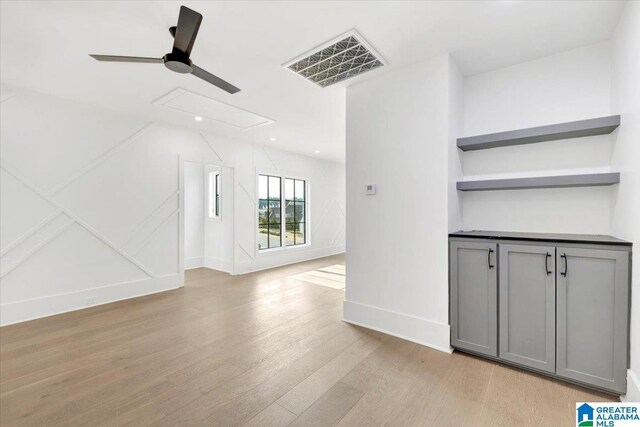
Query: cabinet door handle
point(546, 263)
point(566, 265)
point(489, 258)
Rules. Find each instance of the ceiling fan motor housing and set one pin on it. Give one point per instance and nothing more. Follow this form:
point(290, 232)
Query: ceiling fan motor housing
point(177, 62)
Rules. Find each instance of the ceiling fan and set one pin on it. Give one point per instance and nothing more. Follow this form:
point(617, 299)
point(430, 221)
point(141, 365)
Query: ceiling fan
point(184, 35)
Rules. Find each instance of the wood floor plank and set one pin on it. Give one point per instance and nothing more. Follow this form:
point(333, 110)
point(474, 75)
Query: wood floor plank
point(122, 348)
point(273, 416)
point(262, 349)
point(303, 395)
point(330, 407)
point(143, 415)
point(241, 399)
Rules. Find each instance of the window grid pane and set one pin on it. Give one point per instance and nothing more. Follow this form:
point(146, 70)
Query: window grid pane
point(274, 236)
point(289, 189)
point(274, 188)
point(299, 190)
point(298, 212)
point(299, 233)
point(269, 212)
point(289, 212)
point(217, 193)
point(274, 212)
point(295, 212)
point(263, 187)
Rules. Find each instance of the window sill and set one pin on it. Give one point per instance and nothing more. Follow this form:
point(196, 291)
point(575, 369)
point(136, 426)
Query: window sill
point(282, 249)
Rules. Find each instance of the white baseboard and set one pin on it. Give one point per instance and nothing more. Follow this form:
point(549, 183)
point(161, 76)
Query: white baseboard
point(633, 388)
point(218, 264)
point(420, 331)
point(286, 257)
point(22, 311)
point(193, 262)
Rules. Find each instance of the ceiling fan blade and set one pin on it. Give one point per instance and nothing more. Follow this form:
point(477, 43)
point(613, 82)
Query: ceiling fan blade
point(214, 80)
point(186, 30)
point(115, 58)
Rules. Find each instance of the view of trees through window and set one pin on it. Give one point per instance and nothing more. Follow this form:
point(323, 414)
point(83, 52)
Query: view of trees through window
point(269, 212)
point(294, 193)
point(271, 209)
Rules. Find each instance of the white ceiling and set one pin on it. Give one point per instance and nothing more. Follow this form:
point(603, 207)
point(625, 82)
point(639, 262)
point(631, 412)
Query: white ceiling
point(45, 47)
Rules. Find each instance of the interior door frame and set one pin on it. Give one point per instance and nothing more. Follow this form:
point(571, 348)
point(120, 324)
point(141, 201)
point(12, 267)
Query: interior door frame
point(181, 232)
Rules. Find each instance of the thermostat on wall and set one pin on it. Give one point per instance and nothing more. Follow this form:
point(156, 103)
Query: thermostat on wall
point(371, 189)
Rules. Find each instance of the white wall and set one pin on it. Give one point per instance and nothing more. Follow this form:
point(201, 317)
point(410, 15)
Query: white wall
point(625, 216)
point(193, 215)
point(90, 204)
point(572, 85)
point(397, 134)
point(456, 121)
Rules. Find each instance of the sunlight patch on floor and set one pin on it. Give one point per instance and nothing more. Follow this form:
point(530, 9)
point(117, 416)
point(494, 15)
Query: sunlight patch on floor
point(332, 276)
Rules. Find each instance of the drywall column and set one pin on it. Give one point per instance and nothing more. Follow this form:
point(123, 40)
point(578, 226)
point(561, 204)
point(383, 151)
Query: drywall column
point(455, 104)
point(397, 134)
point(193, 215)
point(625, 215)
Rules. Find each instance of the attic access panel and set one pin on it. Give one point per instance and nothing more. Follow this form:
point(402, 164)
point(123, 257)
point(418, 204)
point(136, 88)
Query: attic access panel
point(344, 57)
point(195, 104)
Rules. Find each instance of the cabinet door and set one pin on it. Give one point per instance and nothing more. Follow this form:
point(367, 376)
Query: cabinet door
point(592, 316)
point(473, 280)
point(528, 305)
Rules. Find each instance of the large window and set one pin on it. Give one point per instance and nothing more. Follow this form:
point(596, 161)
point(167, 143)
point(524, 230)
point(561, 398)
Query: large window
point(294, 193)
point(278, 197)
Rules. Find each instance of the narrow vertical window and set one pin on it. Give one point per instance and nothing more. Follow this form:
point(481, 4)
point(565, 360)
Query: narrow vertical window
point(269, 212)
point(213, 204)
point(295, 209)
point(217, 191)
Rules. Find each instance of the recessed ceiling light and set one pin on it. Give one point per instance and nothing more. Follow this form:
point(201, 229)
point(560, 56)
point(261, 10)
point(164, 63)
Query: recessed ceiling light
point(198, 118)
point(272, 139)
point(317, 151)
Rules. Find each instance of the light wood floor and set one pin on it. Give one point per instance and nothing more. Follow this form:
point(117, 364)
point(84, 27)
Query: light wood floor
point(263, 349)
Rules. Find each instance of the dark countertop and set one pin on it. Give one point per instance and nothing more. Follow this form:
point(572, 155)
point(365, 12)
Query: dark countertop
point(599, 239)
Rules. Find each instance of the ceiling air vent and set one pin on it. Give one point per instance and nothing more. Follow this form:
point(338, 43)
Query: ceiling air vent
point(344, 57)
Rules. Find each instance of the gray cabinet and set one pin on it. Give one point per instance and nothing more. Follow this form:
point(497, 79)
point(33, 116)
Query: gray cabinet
point(592, 313)
point(556, 304)
point(528, 305)
point(474, 323)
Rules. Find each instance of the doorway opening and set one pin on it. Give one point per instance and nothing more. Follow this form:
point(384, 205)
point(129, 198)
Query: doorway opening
point(208, 227)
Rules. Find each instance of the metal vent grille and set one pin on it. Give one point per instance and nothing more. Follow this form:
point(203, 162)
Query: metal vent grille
point(336, 61)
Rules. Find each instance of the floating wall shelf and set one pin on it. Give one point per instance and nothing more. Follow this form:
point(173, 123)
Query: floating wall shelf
point(590, 127)
point(559, 181)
